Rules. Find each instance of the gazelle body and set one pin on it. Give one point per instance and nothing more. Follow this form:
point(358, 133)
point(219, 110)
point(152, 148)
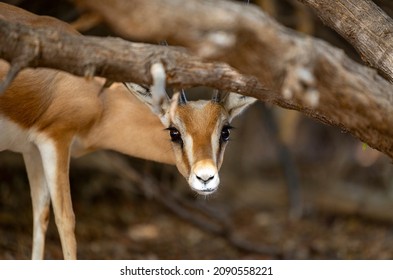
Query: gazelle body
point(49, 115)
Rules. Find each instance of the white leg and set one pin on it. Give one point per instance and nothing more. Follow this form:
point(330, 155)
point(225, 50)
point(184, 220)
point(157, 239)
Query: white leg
point(55, 159)
point(40, 200)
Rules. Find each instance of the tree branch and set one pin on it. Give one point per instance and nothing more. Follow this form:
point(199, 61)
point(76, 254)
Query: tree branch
point(313, 77)
point(364, 25)
point(116, 59)
point(308, 71)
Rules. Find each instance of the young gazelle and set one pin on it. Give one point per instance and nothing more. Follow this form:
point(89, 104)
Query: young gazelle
point(49, 115)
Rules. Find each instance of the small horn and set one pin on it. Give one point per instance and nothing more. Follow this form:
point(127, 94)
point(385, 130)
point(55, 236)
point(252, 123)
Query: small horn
point(218, 96)
point(182, 97)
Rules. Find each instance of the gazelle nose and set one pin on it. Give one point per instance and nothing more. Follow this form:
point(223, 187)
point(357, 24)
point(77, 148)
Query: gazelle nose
point(205, 178)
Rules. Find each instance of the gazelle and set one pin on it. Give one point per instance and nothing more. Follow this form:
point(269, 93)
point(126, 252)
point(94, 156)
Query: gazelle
point(49, 115)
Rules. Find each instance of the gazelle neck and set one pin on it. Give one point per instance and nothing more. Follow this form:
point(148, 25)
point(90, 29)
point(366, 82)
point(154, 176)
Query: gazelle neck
point(128, 126)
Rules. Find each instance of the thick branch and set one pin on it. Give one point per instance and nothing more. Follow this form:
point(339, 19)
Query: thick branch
point(364, 25)
point(350, 95)
point(116, 59)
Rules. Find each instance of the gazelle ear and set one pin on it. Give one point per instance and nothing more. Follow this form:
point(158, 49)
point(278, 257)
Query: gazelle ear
point(234, 103)
point(159, 106)
point(156, 97)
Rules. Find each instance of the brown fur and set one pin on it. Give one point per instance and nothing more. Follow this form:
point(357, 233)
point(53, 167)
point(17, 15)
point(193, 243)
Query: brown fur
point(61, 104)
point(200, 127)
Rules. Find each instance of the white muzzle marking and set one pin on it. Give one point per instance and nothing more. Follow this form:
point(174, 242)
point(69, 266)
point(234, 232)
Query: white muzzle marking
point(204, 178)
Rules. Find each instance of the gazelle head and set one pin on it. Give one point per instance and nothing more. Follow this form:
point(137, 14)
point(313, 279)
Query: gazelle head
point(199, 131)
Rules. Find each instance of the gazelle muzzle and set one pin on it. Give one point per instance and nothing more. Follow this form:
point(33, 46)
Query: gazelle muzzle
point(204, 177)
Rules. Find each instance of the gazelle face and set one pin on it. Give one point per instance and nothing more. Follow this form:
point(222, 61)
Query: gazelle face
point(199, 132)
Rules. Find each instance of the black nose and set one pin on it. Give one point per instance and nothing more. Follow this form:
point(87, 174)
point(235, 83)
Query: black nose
point(205, 180)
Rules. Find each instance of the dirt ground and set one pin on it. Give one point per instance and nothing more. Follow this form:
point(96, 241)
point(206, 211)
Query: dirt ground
point(114, 221)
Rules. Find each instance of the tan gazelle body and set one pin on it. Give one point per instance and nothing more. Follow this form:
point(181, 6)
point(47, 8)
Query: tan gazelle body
point(49, 116)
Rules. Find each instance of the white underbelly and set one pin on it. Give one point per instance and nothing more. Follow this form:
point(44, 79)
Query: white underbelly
point(13, 137)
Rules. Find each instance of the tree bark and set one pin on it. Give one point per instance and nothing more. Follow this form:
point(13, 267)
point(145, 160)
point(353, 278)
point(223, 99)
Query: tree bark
point(116, 59)
point(364, 25)
point(304, 73)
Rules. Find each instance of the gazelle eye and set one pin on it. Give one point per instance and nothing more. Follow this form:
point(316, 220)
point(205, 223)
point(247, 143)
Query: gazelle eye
point(175, 135)
point(225, 133)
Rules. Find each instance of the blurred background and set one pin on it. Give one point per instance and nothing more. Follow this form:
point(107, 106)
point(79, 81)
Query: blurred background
point(291, 187)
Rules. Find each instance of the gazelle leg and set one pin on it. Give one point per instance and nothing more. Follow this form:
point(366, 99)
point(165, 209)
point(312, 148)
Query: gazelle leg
point(55, 159)
point(40, 200)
